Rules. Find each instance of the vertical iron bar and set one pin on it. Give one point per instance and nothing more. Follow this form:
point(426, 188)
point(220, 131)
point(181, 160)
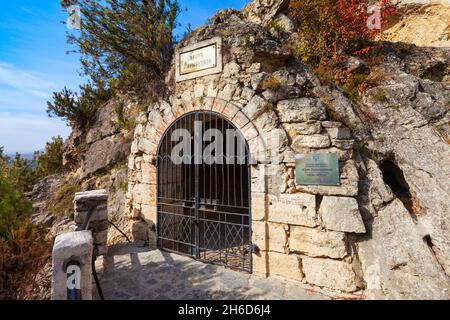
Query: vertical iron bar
point(197, 236)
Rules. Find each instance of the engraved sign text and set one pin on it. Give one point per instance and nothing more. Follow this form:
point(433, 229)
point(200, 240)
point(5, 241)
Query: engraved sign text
point(198, 60)
point(317, 169)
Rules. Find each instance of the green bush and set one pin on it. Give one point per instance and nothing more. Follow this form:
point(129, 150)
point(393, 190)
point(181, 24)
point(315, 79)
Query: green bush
point(79, 110)
point(24, 250)
point(62, 203)
point(126, 45)
point(51, 161)
point(18, 171)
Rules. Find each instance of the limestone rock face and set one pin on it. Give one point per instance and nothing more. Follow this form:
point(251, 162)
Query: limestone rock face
point(421, 151)
point(397, 264)
point(104, 153)
point(263, 11)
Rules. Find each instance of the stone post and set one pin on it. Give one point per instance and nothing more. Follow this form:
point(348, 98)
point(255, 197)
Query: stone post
point(72, 247)
point(94, 202)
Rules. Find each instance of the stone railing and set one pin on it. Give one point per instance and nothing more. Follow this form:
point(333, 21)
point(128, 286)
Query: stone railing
point(91, 213)
point(73, 252)
point(72, 249)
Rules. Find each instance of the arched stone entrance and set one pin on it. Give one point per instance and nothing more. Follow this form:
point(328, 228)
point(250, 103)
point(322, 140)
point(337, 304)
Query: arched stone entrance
point(203, 190)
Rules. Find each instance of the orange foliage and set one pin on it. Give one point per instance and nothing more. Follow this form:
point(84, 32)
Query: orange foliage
point(330, 28)
point(22, 258)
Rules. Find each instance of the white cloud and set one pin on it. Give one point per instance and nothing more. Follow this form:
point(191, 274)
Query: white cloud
point(24, 125)
point(25, 80)
point(25, 133)
point(14, 100)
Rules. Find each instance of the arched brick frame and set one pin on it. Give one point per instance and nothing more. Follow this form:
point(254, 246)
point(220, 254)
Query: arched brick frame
point(227, 109)
point(161, 118)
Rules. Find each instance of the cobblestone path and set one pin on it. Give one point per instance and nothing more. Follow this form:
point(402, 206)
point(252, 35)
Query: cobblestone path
point(131, 273)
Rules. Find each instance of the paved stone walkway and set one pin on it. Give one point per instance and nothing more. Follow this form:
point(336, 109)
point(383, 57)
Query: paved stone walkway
point(131, 273)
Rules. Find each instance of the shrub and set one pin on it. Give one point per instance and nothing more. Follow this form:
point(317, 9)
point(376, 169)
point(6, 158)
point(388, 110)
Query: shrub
point(13, 207)
point(21, 173)
point(380, 96)
point(62, 203)
point(126, 45)
point(22, 258)
point(330, 28)
point(23, 248)
point(51, 161)
point(79, 110)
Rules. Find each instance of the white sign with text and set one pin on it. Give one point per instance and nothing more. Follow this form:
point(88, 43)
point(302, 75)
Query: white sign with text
point(199, 59)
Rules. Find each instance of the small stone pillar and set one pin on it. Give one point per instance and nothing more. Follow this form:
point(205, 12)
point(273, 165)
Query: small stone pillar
point(72, 247)
point(96, 203)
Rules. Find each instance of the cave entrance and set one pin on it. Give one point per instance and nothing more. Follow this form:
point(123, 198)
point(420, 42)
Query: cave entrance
point(203, 188)
point(394, 178)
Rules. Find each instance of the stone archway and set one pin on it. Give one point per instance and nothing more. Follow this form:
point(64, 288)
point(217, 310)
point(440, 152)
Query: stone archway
point(203, 190)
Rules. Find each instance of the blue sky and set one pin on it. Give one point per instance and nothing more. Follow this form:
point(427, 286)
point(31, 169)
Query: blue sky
point(34, 63)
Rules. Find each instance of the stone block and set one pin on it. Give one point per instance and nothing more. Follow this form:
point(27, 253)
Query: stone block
point(340, 133)
point(258, 178)
point(317, 243)
point(277, 264)
point(332, 274)
point(259, 206)
point(101, 250)
point(240, 120)
point(145, 145)
point(149, 212)
point(317, 141)
point(341, 214)
point(95, 195)
point(144, 194)
point(270, 236)
point(148, 172)
point(140, 231)
point(74, 246)
point(100, 237)
point(219, 105)
point(199, 90)
point(230, 110)
point(249, 132)
point(228, 91)
point(348, 188)
point(247, 93)
point(231, 69)
point(295, 129)
point(256, 107)
point(343, 144)
point(294, 209)
point(301, 110)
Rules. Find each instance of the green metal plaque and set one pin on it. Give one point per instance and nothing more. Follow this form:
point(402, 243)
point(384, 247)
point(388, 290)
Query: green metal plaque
point(317, 169)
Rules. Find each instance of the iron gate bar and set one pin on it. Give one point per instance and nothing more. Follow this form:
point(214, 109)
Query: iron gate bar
point(204, 211)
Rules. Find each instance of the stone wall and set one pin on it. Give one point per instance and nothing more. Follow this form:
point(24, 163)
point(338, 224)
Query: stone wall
point(344, 238)
point(92, 205)
point(73, 247)
point(300, 232)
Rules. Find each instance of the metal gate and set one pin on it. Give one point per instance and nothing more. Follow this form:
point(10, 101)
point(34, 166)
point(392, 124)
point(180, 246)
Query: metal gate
point(203, 192)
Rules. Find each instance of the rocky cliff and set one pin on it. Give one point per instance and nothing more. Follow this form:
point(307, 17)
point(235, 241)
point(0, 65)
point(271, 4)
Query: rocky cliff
point(94, 158)
point(397, 148)
point(421, 22)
